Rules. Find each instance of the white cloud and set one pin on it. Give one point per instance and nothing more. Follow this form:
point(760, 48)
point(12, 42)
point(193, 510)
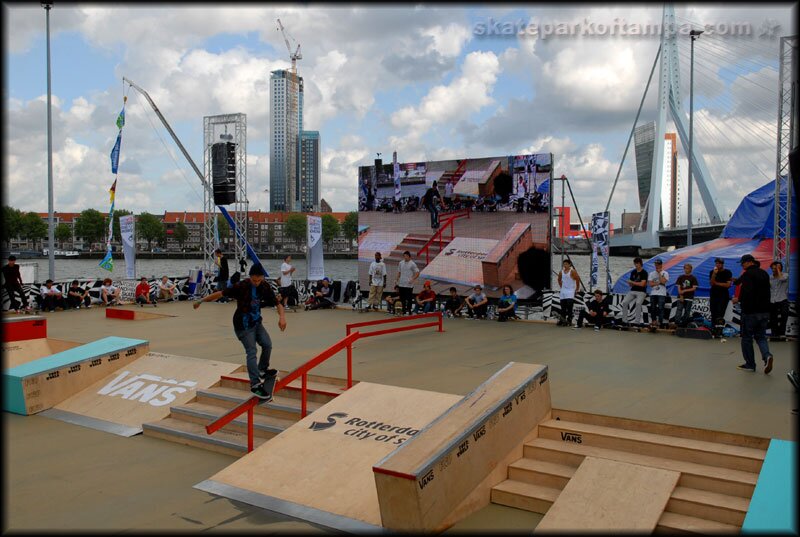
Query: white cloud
point(448, 40)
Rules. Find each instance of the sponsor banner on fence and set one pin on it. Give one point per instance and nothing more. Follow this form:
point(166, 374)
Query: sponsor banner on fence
point(316, 267)
point(126, 228)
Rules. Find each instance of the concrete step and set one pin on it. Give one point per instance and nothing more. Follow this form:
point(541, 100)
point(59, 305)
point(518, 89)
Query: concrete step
point(281, 406)
point(658, 445)
point(694, 475)
point(194, 434)
point(264, 426)
point(526, 496)
point(675, 523)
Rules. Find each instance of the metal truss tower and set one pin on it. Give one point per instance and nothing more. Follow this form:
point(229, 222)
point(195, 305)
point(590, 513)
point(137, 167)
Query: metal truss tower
point(787, 141)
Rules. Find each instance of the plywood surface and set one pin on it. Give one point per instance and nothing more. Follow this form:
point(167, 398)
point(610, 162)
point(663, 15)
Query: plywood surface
point(145, 389)
point(329, 467)
point(606, 495)
point(21, 352)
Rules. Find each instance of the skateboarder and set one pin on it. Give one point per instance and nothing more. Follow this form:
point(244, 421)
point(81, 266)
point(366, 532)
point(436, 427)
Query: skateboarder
point(13, 285)
point(754, 299)
point(719, 296)
point(251, 295)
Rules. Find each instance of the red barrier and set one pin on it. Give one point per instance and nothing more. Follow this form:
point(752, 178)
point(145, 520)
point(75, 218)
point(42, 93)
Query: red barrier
point(113, 313)
point(23, 329)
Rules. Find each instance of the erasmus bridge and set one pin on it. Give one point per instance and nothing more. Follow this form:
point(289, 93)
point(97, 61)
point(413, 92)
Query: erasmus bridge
point(750, 63)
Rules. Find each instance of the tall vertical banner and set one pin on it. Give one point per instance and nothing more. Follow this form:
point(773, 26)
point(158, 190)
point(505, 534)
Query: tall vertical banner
point(314, 259)
point(108, 261)
point(600, 243)
point(396, 165)
point(126, 229)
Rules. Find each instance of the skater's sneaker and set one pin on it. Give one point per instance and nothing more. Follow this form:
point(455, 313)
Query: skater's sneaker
point(745, 367)
point(596, 328)
point(267, 374)
point(768, 364)
point(259, 392)
point(793, 378)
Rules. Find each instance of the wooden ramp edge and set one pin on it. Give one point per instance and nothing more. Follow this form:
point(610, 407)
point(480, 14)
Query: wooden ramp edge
point(448, 469)
point(22, 328)
point(133, 314)
point(606, 495)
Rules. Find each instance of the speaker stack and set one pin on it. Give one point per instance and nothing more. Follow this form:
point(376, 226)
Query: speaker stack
point(223, 172)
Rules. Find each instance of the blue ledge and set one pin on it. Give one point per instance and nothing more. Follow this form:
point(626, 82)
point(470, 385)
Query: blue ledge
point(773, 507)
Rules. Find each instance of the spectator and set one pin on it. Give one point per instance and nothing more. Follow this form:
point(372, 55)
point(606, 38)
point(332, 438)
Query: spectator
point(393, 300)
point(243, 265)
point(407, 273)
point(719, 296)
point(144, 295)
point(322, 295)
point(454, 304)
point(251, 295)
point(754, 296)
point(638, 284)
point(477, 303)
point(507, 305)
point(431, 200)
point(657, 280)
point(12, 281)
point(426, 299)
point(448, 194)
point(109, 293)
point(166, 289)
point(51, 297)
point(596, 312)
point(778, 301)
point(377, 280)
point(686, 284)
point(77, 295)
point(568, 279)
point(287, 289)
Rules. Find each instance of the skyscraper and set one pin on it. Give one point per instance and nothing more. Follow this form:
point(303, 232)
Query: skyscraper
point(309, 171)
point(286, 120)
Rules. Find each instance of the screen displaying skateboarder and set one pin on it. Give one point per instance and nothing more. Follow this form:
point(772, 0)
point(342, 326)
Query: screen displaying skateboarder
point(251, 295)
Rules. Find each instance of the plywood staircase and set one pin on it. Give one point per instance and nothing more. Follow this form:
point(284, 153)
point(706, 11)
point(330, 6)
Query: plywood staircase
point(186, 423)
point(718, 471)
point(413, 243)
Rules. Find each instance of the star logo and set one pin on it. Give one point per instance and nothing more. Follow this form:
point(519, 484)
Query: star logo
point(768, 29)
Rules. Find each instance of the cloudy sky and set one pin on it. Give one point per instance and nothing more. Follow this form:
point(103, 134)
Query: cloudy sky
point(428, 82)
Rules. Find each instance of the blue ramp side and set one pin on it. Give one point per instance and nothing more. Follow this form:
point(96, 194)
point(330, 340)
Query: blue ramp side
point(773, 506)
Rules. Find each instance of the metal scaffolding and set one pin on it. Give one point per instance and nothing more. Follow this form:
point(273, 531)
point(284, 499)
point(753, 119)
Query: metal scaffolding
point(787, 141)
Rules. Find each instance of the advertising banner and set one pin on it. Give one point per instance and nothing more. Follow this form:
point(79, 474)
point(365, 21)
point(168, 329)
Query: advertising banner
point(316, 268)
point(126, 229)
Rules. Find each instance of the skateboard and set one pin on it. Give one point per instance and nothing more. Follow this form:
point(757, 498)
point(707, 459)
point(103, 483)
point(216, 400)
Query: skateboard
point(697, 333)
point(269, 387)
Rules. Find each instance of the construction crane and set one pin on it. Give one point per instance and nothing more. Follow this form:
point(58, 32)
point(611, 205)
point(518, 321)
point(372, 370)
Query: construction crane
point(296, 55)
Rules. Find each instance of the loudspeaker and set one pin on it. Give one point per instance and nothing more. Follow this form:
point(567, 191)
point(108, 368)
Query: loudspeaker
point(223, 172)
point(794, 167)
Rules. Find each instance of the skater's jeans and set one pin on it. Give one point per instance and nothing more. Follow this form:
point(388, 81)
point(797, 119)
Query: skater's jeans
point(683, 311)
point(434, 210)
point(754, 326)
point(249, 337)
point(657, 308)
point(632, 296)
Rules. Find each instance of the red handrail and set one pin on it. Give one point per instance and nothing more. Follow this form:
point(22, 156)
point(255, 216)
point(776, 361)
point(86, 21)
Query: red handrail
point(438, 235)
point(437, 314)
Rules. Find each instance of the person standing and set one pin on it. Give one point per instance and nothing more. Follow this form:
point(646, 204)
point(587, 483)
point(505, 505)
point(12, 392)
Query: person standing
point(754, 297)
point(377, 281)
point(13, 285)
point(287, 288)
point(637, 280)
point(568, 279)
point(778, 300)
point(686, 285)
point(431, 201)
point(251, 295)
point(448, 194)
point(719, 296)
point(657, 280)
point(407, 273)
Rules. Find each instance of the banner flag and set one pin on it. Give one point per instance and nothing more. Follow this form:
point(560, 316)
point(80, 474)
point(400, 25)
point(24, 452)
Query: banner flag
point(115, 154)
point(397, 188)
point(108, 262)
point(314, 257)
point(121, 118)
point(600, 241)
point(126, 227)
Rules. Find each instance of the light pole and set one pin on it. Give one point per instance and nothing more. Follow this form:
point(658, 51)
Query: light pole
point(51, 254)
point(694, 34)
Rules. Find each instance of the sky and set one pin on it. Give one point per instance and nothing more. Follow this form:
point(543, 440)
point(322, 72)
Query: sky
point(430, 82)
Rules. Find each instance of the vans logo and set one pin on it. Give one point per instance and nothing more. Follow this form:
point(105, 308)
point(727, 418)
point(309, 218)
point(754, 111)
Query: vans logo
point(330, 422)
point(463, 448)
point(427, 478)
point(571, 437)
point(479, 433)
point(543, 379)
point(151, 389)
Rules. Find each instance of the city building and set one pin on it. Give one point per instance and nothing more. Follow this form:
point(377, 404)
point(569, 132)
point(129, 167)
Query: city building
point(324, 207)
point(309, 171)
point(286, 124)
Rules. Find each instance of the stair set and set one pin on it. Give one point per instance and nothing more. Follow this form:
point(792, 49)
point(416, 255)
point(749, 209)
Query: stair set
point(186, 423)
point(413, 243)
point(713, 492)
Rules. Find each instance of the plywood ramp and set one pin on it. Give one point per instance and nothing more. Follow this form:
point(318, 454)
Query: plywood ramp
point(606, 495)
point(140, 392)
point(320, 469)
point(23, 351)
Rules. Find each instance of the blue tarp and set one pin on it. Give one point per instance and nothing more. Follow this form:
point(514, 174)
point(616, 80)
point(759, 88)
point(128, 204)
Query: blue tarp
point(755, 216)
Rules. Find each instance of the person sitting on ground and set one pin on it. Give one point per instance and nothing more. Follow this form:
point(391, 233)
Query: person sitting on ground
point(477, 303)
point(426, 299)
point(166, 289)
point(491, 204)
point(109, 293)
point(322, 295)
point(507, 304)
point(479, 205)
point(393, 301)
point(454, 304)
point(77, 295)
point(596, 312)
point(143, 293)
point(51, 297)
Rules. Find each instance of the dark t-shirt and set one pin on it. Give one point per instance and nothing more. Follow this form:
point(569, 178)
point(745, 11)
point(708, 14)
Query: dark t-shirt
point(224, 271)
point(452, 304)
point(638, 276)
point(11, 275)
point(249, 301)
point(685, 282)
point(720, 293)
